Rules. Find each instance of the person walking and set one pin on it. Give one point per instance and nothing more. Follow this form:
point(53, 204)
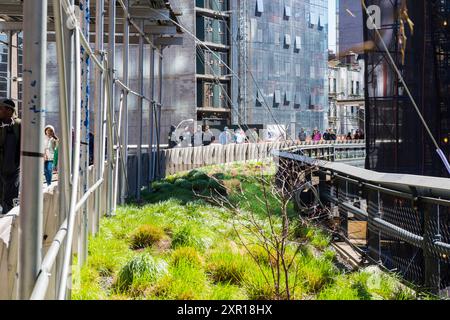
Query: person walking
point(333, 136)
point(186, 138)
point(253, 136)
point(327, 135)
point(239, 136)
point(10, 135)
point(172, 138)
point(349, 136)
point(225, 137)
point(50, 143)
point(302, 135)
point(207, 136)
point(198, 137)
point(317, 136)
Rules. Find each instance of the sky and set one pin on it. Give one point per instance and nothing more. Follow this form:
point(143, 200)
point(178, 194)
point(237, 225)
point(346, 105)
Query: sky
point(332, 25)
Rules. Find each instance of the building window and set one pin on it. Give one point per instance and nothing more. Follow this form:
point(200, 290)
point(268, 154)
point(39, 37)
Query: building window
point(215, 95)
point(298, 70)
point(260, 35)
point(312, 19)
point(353, 88)
point(287, 67)
point(298, 43)
point(321, 22)
point(277, 98)
point(287, 98)
point(259, 7)
point(287, 12)
point(357, 88)
point(277, 38)
point(259, 98)
point(334, 86)
point(212, 30)
point(297, 101)
point(287, 40)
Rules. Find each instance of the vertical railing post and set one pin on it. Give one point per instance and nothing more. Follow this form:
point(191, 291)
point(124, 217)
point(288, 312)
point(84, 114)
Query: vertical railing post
point(374, 209)
point(124, 127)
point(98, 109)
point(159, 110)
point(32, 143)
point(64, 168)
point(152, 114)
point(343, 214)
point(84, 171)
point(140, 107)
point(430, 235)
point(111, 104)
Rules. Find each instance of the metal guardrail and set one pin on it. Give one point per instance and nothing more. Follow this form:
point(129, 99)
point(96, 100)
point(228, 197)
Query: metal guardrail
point(407, 216)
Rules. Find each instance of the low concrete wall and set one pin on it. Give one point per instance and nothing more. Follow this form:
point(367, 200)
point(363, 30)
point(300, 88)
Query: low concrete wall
point(183, 159)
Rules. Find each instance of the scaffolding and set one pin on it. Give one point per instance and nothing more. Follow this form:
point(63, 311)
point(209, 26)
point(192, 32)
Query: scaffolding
point(73, 25)
point(397, 140)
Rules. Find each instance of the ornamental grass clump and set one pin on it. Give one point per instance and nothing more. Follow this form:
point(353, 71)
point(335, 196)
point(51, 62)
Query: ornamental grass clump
point(140, 270)
point(146, 236)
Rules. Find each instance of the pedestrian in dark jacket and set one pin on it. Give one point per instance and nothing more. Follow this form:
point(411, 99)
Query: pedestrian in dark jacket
point(9, 154)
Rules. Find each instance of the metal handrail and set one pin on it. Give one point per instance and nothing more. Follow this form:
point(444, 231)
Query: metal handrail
point(42, 282)
point(366, 182)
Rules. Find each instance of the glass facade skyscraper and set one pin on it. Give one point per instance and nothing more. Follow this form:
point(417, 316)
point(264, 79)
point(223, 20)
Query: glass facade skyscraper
point(287, 57)
point(254, 62)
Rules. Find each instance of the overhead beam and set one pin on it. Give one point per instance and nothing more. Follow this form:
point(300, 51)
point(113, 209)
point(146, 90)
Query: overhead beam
point(150, 14)
point(10, 26)
point(168, 41)
point(169, 30)
point(148, 29)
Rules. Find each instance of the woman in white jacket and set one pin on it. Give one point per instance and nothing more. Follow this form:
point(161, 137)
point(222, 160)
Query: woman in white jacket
point(50, 143)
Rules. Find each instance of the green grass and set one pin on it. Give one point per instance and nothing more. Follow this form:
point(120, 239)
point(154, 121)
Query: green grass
point(187, 255)
point(146, 236)
point(180, 246)
point(139, 272)
point(224, 266)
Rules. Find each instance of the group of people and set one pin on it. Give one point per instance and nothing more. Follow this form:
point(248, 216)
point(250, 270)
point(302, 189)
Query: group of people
point(329, 135)
point(10, 139)
point(186, 138)
point(358, 135)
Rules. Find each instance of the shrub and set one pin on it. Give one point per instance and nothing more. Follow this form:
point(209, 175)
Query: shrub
point(227, 267)
point(186, 255)
point(183, 183)
point(145, 236)
point(142, 269)
point(197, 175)
point(159, 185)
point(200, 185)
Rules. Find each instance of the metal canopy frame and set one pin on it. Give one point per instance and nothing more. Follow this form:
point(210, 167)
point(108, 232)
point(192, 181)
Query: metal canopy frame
point(73, 25)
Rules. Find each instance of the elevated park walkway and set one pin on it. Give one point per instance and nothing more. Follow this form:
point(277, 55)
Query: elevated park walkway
point(407, 217)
